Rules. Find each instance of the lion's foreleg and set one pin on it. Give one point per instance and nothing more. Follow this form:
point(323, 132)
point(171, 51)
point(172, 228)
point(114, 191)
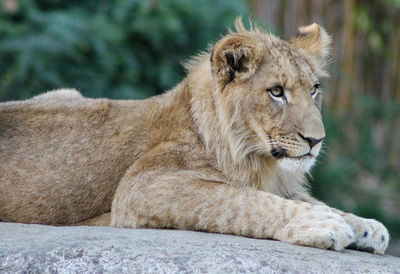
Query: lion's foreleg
point(183, 200)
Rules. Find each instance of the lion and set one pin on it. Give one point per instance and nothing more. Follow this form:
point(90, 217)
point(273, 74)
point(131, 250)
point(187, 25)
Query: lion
point(227, 150)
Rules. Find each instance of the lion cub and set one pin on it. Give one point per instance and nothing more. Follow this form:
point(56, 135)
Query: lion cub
point(225, 151)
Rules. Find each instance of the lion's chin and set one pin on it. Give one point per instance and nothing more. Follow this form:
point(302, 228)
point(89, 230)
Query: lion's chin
point(303, 164)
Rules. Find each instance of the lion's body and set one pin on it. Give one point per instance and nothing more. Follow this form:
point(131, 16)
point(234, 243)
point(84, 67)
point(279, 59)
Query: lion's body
point(62, 158)
point(220, 152)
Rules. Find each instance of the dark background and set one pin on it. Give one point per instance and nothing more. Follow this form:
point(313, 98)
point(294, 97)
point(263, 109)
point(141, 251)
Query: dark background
point(134, 49)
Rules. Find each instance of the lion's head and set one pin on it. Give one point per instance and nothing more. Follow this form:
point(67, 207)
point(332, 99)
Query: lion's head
point(268, 94)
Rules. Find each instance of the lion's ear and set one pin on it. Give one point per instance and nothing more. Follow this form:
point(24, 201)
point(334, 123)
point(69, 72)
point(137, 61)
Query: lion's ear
point(314, 40)
point(235, 56)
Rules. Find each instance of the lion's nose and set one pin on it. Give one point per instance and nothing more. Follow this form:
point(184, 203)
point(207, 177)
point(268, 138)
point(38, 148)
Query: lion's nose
point(311, 141)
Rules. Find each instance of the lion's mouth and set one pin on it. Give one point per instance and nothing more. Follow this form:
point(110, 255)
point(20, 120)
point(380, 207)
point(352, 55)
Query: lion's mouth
point(279, 153)
point(282, 153)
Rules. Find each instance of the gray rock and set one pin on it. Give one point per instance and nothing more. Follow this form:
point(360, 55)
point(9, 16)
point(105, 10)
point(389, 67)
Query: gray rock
point(48, 249)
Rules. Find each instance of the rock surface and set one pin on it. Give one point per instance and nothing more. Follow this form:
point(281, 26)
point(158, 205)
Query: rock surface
point(36, 248)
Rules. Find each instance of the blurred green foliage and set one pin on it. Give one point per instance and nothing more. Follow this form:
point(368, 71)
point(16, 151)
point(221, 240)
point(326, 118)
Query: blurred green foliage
point(115, 49)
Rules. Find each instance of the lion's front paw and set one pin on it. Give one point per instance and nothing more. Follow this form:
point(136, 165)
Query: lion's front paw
point(370, 235)
point(320, 229)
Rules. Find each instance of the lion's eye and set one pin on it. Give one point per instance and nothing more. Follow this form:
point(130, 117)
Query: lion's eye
point(276, 91)
point(314, 93)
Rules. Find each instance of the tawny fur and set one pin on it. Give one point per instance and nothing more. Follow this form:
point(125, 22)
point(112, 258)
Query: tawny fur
point(200, 156)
